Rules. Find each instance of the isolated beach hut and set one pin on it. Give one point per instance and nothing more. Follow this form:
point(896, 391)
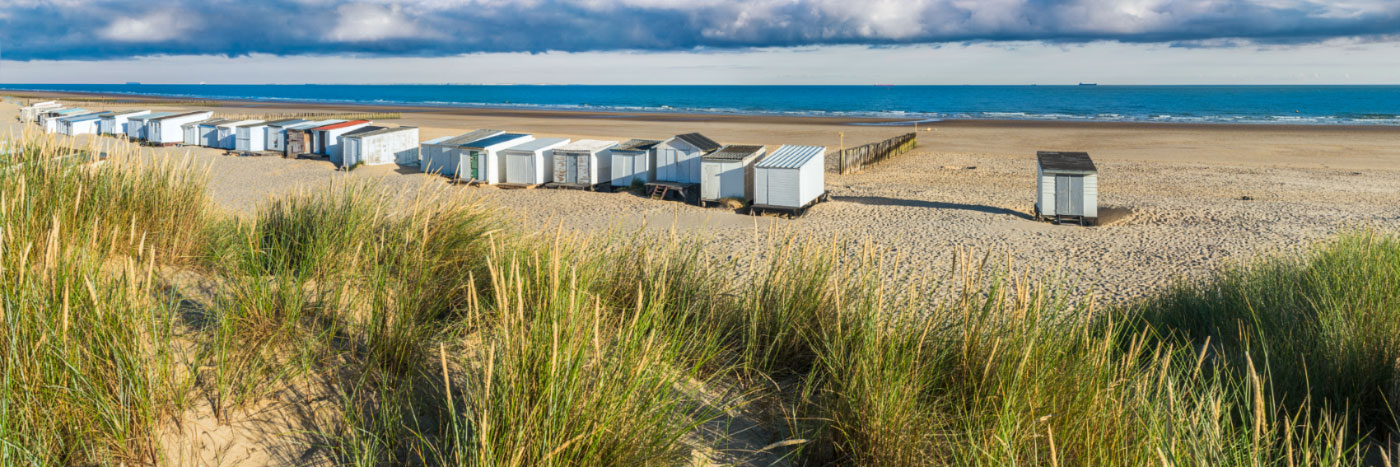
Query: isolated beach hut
point(790, 179)
point(226, 134)
point(480, 160)
point(115, 123)
point(531, 163)
point(634, 161)
point(586, 163)
point(169, 130)
point(380, 146)
point(298, 137)
point(275, 134)
point(678, 158)
point(440, 154)
point(250, 137)
point(137, 125)
point(728, 173)
point(1067, 187)
point(325, 140)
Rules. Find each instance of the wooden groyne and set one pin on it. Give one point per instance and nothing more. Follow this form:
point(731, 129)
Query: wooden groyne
point(855, 159)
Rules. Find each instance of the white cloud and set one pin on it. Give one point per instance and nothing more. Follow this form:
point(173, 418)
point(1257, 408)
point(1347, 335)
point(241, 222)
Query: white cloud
point(162, 25)
point(363, 22)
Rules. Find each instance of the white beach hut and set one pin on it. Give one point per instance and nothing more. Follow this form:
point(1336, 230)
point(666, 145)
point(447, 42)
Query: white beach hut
point(325, 140)
point(728, 173)
point(380, 146)
point(249, 137)
point(440, 155)
point(531, 163)
point(31, 112)
point(678, 158)
point(207, 133)
point(1067, 187)
point(168, 130)
point(137, 125)
point(191, 131)
point(275, 134)
point(634, 161)
point(586, 162)
point(791, 178)
point(115, 124)
point(226, 134)
point(82, 124)
point(49, 120)
point(480, 161)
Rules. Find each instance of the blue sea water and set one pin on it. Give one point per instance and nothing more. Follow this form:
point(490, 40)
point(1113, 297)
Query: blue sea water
point(1320, 105)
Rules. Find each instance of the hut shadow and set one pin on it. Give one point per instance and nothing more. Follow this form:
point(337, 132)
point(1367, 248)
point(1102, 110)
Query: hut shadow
point(407, 169)
point(913, 203)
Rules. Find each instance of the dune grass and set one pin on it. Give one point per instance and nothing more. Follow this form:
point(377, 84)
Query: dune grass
point(445, 337)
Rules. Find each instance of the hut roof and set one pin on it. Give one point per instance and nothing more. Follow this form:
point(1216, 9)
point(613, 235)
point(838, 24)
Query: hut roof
point(152, 116)
point(130, 113)
point(1065, 161)
point(464, 138)
point(538, 144)
point(636, 145)
point(337, 126)
point(587, 145)
point(493, 140)
point(734, 152)
point(252, 124)
point(378, 130)
point(791, 157)
point(700, 141)
point(286, 123)
point(179, 115)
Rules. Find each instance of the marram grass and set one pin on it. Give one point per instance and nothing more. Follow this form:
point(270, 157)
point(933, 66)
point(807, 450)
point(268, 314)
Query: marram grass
point(446, 337)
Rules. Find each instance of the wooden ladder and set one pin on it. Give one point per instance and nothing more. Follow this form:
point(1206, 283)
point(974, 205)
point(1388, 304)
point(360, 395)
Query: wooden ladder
point(658, 192)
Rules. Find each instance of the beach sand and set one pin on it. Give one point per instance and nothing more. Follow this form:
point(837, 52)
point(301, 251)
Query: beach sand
point(1174, 196)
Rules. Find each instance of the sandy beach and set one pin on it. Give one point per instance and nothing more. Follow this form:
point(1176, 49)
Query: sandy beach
point(1179, 200)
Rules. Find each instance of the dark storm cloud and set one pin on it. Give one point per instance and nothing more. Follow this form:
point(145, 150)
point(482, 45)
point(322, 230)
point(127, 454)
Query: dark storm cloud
point(104, 29)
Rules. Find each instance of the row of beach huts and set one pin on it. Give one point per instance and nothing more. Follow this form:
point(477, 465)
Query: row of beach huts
point(690, 167)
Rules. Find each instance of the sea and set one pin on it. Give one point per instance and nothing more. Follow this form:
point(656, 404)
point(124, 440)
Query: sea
point(1310, 105)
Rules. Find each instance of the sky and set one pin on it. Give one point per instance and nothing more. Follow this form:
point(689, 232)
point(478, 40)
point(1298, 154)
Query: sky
point(702, 41)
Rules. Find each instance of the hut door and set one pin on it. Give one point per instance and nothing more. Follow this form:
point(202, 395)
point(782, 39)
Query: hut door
point(1069, 195)
point(476, 166)
point(571, 169)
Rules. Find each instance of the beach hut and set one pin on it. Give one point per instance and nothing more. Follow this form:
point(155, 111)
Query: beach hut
point(249, 137)
point(634, 161)
point(678, 158)
point(49, 120)
point(440, 154)
point(480, 161)
point(586, 163)
point(380, 146)
point(1067, 187)
point(226, 134)
point(531, 163)
point(81, 124)
point(790, 179)
point(728, 173)
point(207, 132)
point(137, 125)
point(298, 137)
point(31, 112)
point(325, 140)
point(275, 134)
point(115, 123)
point(191, 131)
point(168, 130)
